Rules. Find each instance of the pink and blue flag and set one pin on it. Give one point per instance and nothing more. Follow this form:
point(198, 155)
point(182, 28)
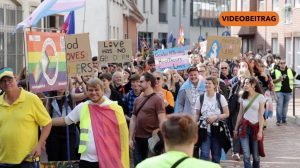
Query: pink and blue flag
point(50, 7)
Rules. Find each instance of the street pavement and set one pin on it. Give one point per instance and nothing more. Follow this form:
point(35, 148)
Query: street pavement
point(282, 143)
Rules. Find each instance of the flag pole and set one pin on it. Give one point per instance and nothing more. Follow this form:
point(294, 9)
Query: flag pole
point(84, 12)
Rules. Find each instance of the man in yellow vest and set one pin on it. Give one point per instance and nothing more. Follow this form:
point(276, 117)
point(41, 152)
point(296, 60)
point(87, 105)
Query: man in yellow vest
point(103, 129)
point(283, 79)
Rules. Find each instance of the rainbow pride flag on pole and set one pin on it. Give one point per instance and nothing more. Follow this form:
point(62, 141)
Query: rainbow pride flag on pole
point(110, 135)
point(181, 36)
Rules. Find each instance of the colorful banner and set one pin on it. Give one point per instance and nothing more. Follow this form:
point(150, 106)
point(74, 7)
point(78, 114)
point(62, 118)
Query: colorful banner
point(223, 47)
point(115, 51)
point(79, 55)
point(46, 61)
point(172, 58)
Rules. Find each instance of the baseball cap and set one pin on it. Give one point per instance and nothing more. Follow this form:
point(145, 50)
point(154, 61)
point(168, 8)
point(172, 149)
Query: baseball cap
point(6, 72)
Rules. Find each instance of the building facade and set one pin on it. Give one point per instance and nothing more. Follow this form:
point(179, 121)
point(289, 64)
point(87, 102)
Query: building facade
point(11, 42)
point(283, 39)
point(198, 17)
point(204, 18)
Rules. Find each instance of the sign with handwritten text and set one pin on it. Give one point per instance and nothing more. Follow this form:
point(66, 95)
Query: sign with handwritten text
point(223, 47)
point(172, 58)
point(115, 51)
point(79, 55)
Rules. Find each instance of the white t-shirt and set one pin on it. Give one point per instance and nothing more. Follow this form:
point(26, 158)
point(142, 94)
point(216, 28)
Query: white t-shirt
point(91, 153)
point(252, 113)
point(210, 106)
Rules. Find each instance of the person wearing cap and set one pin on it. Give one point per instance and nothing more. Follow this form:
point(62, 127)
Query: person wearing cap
point(21, 114)
point(189, 92)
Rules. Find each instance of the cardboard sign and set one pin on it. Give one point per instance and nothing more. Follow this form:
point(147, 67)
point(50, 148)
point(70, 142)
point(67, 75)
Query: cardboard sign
point(46, 61)
point(172, 58)
point(78, 54)
point(203, 46)
point(115, 51)
point(223, 47)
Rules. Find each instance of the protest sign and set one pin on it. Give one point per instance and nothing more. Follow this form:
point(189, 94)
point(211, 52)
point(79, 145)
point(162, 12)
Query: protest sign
point(115, 51)
point(172, 58)
point(46, 61)
point(223, 47)
point(203, 46)
point(78, 54)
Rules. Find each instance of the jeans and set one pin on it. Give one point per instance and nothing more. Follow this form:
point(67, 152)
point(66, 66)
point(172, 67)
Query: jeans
point(140, 151)
point(86, 164)
point(246, 144)
point(211, 144)
point(282, 105)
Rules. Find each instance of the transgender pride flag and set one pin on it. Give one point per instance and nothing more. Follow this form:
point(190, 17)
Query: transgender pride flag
point(50, 7)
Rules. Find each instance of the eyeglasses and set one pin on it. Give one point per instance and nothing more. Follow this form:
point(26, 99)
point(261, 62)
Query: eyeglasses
point(224, 68)
point(158, 78)
point(282, 62)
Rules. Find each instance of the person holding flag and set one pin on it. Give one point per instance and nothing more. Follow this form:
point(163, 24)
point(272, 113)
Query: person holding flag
point(103, 129)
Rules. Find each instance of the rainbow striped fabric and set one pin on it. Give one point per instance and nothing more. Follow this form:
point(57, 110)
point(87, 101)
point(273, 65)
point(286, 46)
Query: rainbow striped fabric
point(110, 135)
point(46, 61)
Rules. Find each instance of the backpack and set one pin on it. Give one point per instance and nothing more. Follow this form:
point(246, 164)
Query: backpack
point(218, 96)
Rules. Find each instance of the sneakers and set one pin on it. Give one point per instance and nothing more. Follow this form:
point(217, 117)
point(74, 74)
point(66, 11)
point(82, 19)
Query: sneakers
point(284, 122)
point(236, 156)
point(278, 123)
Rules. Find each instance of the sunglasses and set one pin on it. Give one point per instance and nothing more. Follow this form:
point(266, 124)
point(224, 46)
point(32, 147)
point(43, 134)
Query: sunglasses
point(224, 68)
point(158, 78)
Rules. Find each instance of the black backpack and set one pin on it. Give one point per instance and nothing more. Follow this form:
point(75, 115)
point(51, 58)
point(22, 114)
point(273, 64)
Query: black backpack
point(218, 96)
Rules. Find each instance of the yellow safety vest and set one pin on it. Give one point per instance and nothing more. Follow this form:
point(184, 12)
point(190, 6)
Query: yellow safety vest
point(85, 126)
point(278, 74)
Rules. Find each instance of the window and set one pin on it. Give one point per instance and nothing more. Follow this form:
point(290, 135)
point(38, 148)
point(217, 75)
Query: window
point(1, 16)
point(117, 32)
point(297, 51)
point(275, 46)
point(151, 6)
point(275, 5)
point(10, 17)
point(146, 37)
point(261, 5)
point(288, 11)
point(162, 37)
point(297, 3)
point(245, 5)
point(183, 7)
point(239, 5)
point(174, 7)
point(288, 51)
point(144, 6)
point(1, 49)
point(11, 50)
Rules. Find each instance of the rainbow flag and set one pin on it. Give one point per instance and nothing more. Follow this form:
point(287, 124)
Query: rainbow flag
point(46, 61)
point(110, 135)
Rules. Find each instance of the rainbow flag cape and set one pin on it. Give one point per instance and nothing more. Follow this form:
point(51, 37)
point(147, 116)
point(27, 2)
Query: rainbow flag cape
point(110, 134)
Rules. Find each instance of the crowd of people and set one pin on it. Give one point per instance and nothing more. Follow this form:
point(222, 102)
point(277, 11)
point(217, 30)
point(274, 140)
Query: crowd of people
point(219, 105)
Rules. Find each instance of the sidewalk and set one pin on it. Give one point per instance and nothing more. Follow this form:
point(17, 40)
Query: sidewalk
point(282, 143)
